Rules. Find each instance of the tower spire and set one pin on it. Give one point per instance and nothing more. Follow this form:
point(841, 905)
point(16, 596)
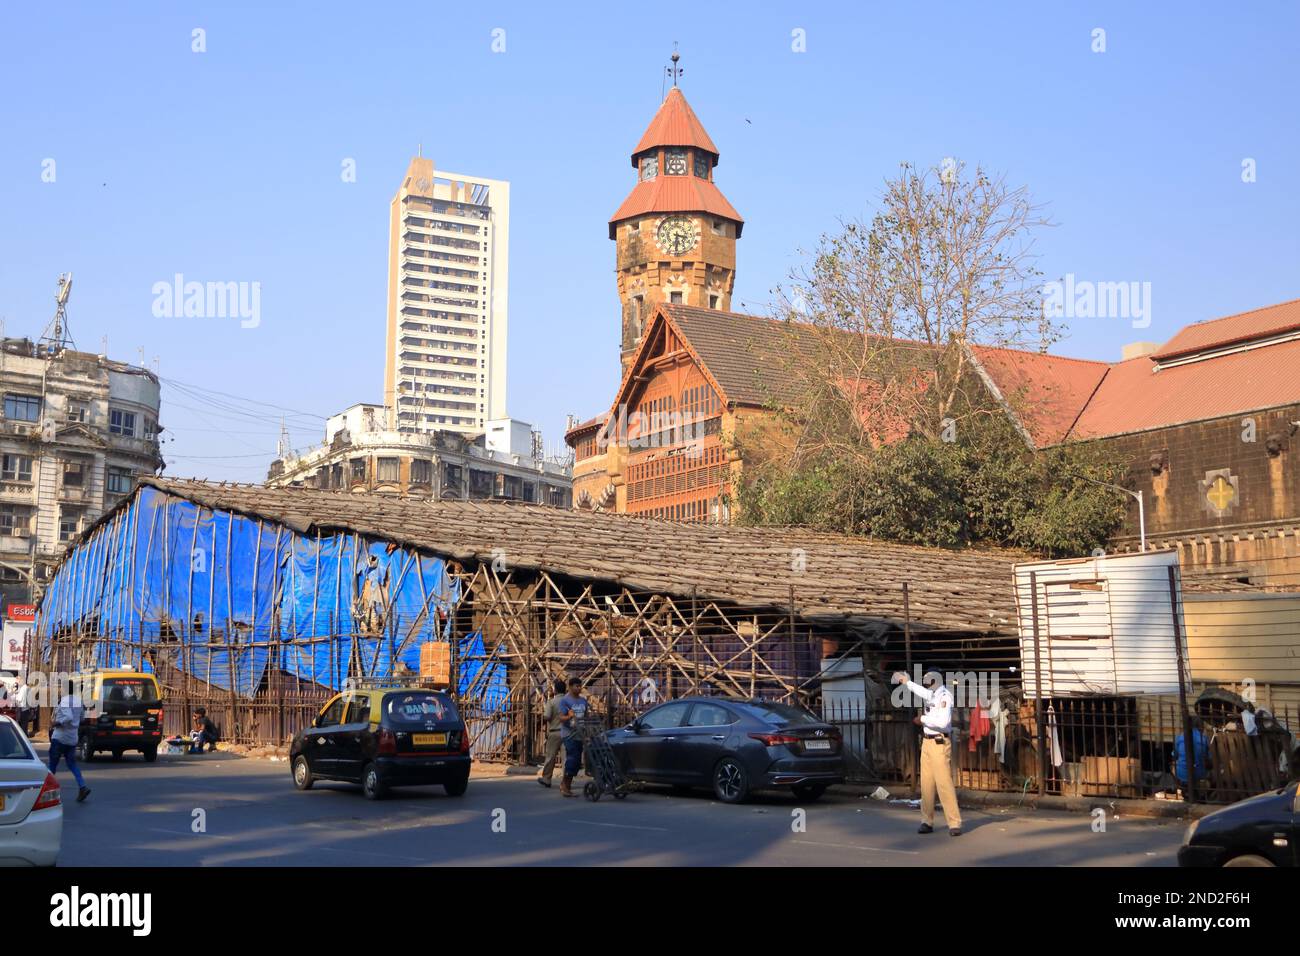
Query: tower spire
point(674, 71)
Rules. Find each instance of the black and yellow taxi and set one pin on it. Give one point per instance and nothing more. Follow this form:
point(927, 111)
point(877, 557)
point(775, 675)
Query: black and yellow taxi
point(382, 737)
point(123, 711)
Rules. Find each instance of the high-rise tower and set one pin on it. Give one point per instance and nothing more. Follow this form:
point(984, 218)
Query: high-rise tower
point(448, 265)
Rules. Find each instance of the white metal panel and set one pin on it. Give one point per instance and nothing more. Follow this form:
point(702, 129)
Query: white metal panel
point(1105, 625)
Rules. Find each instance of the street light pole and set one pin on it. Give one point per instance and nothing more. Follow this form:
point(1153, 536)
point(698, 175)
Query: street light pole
point(1142, 513)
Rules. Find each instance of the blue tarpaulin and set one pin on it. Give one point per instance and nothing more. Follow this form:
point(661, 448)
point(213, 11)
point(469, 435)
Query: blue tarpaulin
point(228, 593)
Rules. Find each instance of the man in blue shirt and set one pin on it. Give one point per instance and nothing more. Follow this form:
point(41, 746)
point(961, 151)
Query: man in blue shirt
point(1200, 752)
point(572, 709)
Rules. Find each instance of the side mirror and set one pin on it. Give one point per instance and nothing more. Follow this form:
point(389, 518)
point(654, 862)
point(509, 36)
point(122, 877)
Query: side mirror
point(635, 726)
point(315, 721)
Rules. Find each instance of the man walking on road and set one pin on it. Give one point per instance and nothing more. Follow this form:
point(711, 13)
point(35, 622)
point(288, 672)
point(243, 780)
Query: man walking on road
point(63, 737)
point(554, 737)
point(572, 709)
point(936, 751)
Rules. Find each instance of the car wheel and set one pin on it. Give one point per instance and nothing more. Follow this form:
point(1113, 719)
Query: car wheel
point(302, 778)
point(1249, 859)
point(730, 781)
point(457, 787)
point(809, 792)
point(85, 750)
point(150, 754)
point(371, 785)
point(591, 792)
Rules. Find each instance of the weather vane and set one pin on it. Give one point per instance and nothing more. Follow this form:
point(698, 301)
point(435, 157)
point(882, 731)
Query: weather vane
point(674, 71)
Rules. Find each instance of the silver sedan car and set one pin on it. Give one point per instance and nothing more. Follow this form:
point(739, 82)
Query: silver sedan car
point(31, 806)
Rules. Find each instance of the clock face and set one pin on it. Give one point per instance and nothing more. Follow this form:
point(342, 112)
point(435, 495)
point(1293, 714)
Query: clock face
point(676, 235)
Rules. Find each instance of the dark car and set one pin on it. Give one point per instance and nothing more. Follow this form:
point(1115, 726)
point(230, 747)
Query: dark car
point(384, 737)
point(731, 746)
point(1261, 831)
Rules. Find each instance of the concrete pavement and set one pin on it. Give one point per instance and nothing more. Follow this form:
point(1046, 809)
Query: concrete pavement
point(150, 814)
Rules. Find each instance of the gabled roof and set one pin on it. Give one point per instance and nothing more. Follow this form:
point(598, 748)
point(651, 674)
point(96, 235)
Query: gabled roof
point(668, 194)
point(1137, 395)
point(674, 125)
point(1232, 330)
point(841, 578)
point(1046, 393)
point(1053, 398)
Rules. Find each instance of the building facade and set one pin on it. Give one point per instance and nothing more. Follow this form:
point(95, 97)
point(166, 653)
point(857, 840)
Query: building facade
point(448, 272)
point(78, 430)
point(362, 454)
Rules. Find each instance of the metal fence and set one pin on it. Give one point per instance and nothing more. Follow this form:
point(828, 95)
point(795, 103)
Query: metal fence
point(1117, 747)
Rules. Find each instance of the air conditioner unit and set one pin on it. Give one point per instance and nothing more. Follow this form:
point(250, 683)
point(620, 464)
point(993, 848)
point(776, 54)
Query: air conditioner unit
point(21, 428)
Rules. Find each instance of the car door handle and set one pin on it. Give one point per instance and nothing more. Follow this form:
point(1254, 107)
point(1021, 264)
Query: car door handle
point(668, 738)
point(719, 736)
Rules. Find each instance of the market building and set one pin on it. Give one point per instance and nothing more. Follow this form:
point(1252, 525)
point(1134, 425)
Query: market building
point(361, 453)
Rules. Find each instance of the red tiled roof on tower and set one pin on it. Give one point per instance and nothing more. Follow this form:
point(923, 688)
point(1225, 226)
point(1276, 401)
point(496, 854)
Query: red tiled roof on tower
point(675, 194)
point(674, 125)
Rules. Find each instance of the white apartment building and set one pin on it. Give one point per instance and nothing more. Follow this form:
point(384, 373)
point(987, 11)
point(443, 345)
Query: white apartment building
point(448, 270)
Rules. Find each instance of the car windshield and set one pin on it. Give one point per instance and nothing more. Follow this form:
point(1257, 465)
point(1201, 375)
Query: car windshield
point(130, 690)
point(779, 715)
point(12, 745)
point(418, 708)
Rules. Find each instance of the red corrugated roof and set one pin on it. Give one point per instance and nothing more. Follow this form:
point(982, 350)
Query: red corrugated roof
point(1136, 397)
point(674, 125)
point(675, 194)
point(1046, 392)
point(1233, 330)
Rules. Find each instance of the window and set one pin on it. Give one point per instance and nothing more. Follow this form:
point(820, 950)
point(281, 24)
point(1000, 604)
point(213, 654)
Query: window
point(675, 162)
point(669, 715)
point(22, 408)
point(650, 167)
point(74, 474)
point(78, 412)
point(121, 422)
point(701, 165)
point(358, 710)
point(421, 472)
point(150, 429)
point(358, 467)
point(332, 715)
point(675, 297)
point(119, 480)
point(713, 301)
point(710, 715)
point(388, 469)
point(15, 521)
point(16, 468)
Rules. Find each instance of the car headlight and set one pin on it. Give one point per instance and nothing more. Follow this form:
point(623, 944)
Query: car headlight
point(1190, 832)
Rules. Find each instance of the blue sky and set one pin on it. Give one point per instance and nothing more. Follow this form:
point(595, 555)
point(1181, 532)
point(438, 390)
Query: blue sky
point(225, 166)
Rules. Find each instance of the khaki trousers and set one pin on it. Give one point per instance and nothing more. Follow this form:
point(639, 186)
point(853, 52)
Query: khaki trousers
point(552, 754)
point(936, 775)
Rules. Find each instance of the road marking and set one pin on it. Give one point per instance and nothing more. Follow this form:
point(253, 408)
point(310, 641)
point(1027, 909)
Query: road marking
point(620, 826)
point(851, 846)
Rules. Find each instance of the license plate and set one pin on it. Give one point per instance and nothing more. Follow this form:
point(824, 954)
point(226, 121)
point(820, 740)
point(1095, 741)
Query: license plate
point(817, 745)
point(2, 803)
point(429, 740)
point(128, 723)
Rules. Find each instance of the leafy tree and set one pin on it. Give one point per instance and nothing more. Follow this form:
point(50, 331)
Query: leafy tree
point(886, 426)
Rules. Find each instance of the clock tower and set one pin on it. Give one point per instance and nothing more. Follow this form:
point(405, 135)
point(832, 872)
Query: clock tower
point(675, 233)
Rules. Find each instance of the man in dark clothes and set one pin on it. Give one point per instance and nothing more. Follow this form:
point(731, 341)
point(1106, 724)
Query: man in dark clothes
point(205, 732)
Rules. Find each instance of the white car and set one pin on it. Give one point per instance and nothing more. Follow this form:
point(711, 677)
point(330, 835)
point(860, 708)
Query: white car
point(31, 806)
